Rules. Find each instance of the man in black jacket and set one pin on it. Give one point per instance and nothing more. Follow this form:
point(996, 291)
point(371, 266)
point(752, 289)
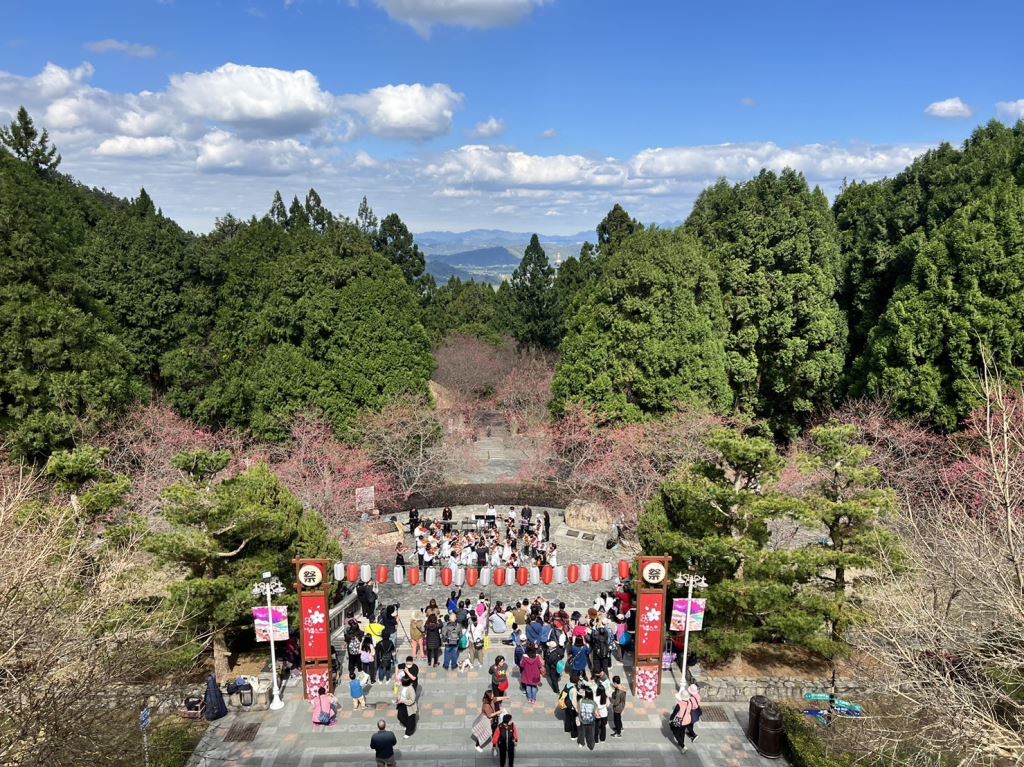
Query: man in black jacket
point(383, 744)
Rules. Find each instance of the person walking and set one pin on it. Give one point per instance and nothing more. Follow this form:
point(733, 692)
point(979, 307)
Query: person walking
point(487, 722)
point(384, 655)
point(450, 637)
point(554, 661)
point(406, 706)
point(618, 705)
point(383, 744)
point(499, 676)
point(506, 738)
point(476, 641)
point(681, 719)
point(567, 700)
point(416, 636)
point(580, 655)
point(586, 717)
point(530, 673)
point(696, 711)
point(600, 714)
point(432, 640)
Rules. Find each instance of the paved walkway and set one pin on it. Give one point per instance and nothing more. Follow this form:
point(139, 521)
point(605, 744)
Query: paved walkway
point(496, 455)
point(448, 706)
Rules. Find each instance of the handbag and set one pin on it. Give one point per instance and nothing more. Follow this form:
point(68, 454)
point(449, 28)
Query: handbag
point(503, 685)
point(479, 644)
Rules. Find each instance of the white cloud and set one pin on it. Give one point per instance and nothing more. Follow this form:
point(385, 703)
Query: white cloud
point(947, 108)
point(56, 81)
point(1010, 110)
point(220, 151)
point(551, 212)
point(478, 164)
point(110, 45)
point(549, 133)
point(133, 146)
point(268, 100)
point(489, 128)
point(414, 111)
point(421, 15)
point(817, 161)
point(364, 160)
point(747, 101)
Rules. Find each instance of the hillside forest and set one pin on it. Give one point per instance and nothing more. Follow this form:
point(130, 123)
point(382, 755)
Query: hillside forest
point(814, 403)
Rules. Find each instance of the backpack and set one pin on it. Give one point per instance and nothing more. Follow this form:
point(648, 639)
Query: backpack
point(463, 641)
point(355, 646)
point(560, 666)
point(563, 699)
point(587, 709)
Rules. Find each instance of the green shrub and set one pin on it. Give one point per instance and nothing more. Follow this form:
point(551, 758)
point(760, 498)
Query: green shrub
point(172, 743)
point(804, 746)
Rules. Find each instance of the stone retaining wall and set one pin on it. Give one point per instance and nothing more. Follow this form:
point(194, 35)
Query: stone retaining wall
point(733, 689)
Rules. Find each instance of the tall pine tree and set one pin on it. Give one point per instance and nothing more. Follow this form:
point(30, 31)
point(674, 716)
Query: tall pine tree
point(534, 321)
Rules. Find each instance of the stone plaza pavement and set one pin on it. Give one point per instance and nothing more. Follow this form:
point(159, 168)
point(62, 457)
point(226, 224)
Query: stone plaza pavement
point(449, 703)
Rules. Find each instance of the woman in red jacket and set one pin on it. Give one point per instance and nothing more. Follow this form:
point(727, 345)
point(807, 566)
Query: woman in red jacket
point(531, 668)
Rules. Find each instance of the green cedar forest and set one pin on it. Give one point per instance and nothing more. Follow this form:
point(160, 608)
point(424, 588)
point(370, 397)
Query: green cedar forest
point(768, 303)
point(849, 371)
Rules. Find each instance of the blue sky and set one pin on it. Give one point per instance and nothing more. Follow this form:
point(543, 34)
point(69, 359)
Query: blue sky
point(515, 114)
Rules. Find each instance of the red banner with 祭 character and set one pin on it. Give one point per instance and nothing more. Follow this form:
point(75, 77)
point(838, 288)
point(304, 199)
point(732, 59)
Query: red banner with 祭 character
point(316, 644)
point(650, 623)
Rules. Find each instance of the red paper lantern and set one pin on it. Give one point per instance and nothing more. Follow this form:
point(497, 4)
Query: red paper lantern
point(352, 572)
point(596, 571)
point(624, 569)
point(382, 573)
point(573, 573)
point(412, 576)
point(499, 576)
point(522, 576)
point(446, 576)
point(547, 574)
point(472, 576)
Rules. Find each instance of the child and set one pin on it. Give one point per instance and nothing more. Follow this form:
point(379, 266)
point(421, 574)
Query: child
point(355, 687)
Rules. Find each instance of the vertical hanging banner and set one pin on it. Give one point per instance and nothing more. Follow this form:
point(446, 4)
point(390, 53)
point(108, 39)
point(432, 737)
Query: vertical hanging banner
point(317, 675)
point(650, 623)
point(276, 621)
point(651, 605)
point(316, 645)
point(312, 581)
point(679, 611)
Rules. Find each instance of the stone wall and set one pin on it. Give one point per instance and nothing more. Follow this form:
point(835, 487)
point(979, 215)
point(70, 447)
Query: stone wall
point(589, 516)
point(734, 689)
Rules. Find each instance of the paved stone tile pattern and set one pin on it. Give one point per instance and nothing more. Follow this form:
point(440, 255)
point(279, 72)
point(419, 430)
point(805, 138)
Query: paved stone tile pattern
point(448, 706)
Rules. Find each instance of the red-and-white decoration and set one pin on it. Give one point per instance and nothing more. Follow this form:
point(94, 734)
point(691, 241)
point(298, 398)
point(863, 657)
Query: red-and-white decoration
point(485, 576)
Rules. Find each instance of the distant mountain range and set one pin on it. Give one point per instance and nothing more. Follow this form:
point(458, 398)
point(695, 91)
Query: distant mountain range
point(481, 264)
point(446, 243)
point(491, 255)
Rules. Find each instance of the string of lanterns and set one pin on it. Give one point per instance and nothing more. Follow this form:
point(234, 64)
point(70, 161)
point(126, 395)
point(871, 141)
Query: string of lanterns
point(483, 576)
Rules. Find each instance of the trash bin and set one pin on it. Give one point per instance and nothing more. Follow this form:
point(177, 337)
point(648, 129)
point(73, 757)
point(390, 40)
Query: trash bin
point(757, 705)
point(246, 696)
point(769, 738)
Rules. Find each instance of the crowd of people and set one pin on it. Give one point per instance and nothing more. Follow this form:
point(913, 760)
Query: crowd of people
point(515, 539)
point(572, 653)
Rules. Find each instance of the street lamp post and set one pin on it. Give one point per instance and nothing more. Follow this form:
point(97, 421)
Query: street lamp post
point(271, 586)
point(691, 579)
